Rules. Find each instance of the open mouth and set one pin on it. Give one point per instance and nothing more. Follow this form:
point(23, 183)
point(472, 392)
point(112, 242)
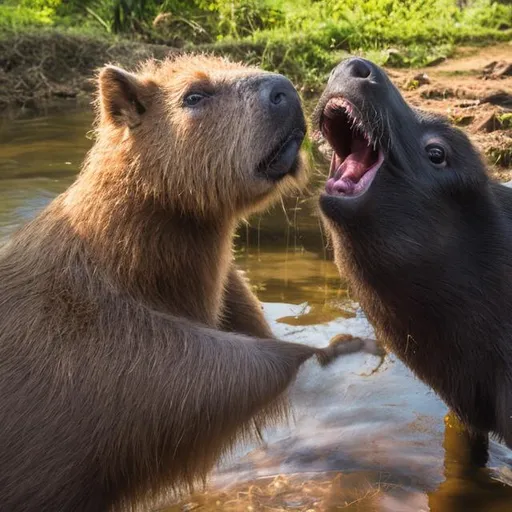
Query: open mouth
point(356, 157)
point(282, 160)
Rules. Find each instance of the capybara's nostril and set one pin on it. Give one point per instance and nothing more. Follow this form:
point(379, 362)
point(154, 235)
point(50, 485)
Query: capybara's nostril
point(358, 68)
point(278, 93)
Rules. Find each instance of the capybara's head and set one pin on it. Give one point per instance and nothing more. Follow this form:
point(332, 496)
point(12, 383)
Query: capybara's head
point(395, 172)
point(202, 133)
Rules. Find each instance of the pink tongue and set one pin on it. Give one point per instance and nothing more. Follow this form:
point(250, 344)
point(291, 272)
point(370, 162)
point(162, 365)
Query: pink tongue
point(353, 167)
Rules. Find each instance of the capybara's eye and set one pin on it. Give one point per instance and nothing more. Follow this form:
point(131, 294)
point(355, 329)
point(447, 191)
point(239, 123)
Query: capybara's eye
point(192, 99)
point(436, 154)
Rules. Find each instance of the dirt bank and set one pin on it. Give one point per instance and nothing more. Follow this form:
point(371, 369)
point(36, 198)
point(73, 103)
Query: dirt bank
point(474, 89)
point(38, 68)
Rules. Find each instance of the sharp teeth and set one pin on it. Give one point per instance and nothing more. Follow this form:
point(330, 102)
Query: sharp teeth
point(358, 124)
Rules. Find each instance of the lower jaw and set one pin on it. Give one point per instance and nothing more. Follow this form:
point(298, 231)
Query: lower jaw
point(294, 178)
point(347, 189)
point(351, 190)
point(287, 161)
point(342, 212)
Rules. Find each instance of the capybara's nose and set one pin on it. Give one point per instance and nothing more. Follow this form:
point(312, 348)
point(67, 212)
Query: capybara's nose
point(358, 68)
point(354, 68)
point(278, 95)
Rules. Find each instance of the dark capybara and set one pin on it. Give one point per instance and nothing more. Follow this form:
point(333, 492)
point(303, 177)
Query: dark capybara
point(119, 380)
point(425, 238)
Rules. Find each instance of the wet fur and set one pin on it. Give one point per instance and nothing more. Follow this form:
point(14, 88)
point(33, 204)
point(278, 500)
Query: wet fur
point(428, 254)
point(119, 380)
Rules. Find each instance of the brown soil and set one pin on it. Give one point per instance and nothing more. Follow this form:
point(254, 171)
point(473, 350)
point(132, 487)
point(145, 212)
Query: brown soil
point(474, 89)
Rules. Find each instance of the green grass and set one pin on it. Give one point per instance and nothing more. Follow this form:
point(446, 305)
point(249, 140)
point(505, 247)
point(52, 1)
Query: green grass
point(300, 38)
point(505, 121)
point(400, 33)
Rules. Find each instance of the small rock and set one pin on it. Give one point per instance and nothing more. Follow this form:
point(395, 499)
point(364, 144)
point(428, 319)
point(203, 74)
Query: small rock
point(489, 67)
point(422, 78)
point(417, 81)
point(488, 124)
point(497, 69)
point(435, 62)
point(501, 98)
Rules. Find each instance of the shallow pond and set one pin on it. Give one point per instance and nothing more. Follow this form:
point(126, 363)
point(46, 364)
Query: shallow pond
point(364, 436)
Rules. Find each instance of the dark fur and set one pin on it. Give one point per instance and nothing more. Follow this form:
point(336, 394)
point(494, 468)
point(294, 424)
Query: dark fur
point(429, 253)
point(118, 378)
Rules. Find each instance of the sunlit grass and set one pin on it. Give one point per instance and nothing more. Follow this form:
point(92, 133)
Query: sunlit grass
point(301, 38)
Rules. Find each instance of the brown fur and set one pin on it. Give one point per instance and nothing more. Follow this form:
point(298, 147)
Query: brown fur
point(116, 380)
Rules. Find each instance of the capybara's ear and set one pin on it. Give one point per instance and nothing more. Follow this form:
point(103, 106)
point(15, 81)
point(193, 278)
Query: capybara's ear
point(123, 96)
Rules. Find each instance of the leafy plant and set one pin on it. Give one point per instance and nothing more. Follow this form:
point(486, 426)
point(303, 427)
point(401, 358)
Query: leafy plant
point(241, 18)
point(302, 38)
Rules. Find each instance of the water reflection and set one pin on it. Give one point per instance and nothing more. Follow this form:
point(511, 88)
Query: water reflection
point(39, 157)
point(468, 487)
point(360, 439)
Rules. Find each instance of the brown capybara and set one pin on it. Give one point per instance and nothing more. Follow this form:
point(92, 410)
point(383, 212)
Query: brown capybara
point(124, 372)
point(425, 238)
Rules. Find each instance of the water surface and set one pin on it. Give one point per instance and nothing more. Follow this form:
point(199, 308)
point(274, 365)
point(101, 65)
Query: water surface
point(363, 437)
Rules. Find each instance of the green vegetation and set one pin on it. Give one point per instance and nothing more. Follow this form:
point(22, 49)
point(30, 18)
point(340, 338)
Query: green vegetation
point(505, 121)
point(302, 38)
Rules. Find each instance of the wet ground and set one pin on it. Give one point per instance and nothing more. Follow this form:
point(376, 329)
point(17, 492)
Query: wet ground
point(365, 434)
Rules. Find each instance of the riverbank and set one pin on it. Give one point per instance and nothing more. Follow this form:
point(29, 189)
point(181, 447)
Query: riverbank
point(50, 49)
point(473, 87)
point(52, 66)
point(37, 67)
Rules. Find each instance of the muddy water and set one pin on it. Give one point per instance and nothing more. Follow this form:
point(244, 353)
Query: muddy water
point(365, 434)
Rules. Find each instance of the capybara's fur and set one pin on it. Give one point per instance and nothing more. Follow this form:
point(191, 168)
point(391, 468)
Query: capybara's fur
point(426, 245)
point(119, 376)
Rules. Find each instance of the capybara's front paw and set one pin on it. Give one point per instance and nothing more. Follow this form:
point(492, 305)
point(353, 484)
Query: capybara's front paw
point(343, 344)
